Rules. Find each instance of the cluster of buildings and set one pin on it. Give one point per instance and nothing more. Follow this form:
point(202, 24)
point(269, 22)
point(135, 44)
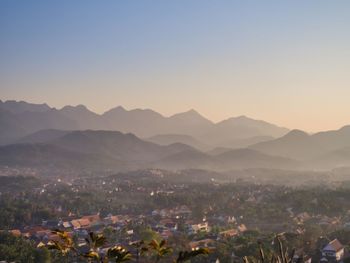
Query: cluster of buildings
point(165, 222)
point(333, 252)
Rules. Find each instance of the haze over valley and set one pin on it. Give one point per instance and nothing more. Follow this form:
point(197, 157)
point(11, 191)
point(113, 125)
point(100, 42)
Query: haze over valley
point(191, 131)
point(36, 135)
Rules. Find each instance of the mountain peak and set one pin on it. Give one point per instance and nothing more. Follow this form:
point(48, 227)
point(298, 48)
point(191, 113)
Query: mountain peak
point(345, 128)
point(117, 109)
point(192, 111)
point(242, 117)
point(239, 119)
point(80, 107)
point(22, 106)
point(146, 111)
point(188, 114)
point(296, 134)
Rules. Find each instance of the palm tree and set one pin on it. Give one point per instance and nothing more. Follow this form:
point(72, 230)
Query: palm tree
point(188, 255)
point(282, 256)
point(141, 249)
point(95, 242)
point(160, 249)
point(118, 254)
point(64, 245)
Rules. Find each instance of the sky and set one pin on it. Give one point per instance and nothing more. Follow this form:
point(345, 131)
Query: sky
point(286, 62)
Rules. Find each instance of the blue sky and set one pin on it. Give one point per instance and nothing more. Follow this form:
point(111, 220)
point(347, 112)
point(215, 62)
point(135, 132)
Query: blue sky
point(287, 62)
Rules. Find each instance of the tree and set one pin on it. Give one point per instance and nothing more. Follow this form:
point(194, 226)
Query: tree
point(17, 249)
point(117, 254)
point(188, 255)
point(160, 249)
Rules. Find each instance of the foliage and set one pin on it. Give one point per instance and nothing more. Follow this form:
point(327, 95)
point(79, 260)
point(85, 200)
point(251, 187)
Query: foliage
point(17, 249)
point(188, 255)
point(118, 254)
point(282, 256)
point(160, 249)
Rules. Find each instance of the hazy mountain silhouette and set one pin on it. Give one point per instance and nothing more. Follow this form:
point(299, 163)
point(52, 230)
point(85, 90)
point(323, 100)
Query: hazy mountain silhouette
point(147, 123)
point(234, 159)
point(189, 122)
point(115, 144)
point(166, 139)
point(84, 118)
point(247, 158)
point(18, 119)
point(226, 132)
point(42, 136)
point(234, 132)
point(22, 106)
point(302, 146)
point(108, 149)
point(10, 127)
point(103, 149)
point(333, 159)
point(170, 140)
point(51, 119)
point(296, 144)
point(187, 159)
point(246, 142)
point(143, 123)
point(218, 150)
point(333, 140)
point(50, 156)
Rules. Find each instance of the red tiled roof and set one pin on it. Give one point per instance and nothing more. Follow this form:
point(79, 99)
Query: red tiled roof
point(15, 232)
point(230, 232)
point(92, 218)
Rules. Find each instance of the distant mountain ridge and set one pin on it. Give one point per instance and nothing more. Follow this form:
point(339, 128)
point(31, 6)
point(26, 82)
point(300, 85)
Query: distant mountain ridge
point(166, 139)
point(119, 139)
point(323, 149)
point(19, 119)
point(116, 151)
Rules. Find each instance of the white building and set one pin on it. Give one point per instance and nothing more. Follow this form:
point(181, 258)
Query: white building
point(332, 252)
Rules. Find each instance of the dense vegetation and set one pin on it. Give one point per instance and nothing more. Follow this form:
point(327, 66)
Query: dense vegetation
point(265, 209)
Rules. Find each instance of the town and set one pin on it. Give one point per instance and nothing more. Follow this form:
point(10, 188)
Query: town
point(229, 218)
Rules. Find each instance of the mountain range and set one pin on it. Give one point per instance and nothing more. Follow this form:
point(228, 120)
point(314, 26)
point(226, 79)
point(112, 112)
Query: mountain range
point(36, 135)
point(113, 150)
point(328, 149)
point(18, 119)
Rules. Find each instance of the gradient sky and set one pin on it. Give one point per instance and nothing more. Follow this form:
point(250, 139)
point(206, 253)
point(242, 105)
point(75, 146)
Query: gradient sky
point(287, 62)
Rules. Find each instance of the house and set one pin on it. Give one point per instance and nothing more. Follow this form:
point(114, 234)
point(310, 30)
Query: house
point(209, 243)
point(301, 257)
point(31, 231)
point(201, 227)
point(228, 233)
point(80, 223)
point(332, 252)
point(110, 219)
point(242, 228)
point(66, 224)
point(52, 224)
point(182, 210)
point(302, 217)
point(120, 220)
point(93, 219)
point(85, 221)
point(15, 232)
point(231, 220)
point(329, 221)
